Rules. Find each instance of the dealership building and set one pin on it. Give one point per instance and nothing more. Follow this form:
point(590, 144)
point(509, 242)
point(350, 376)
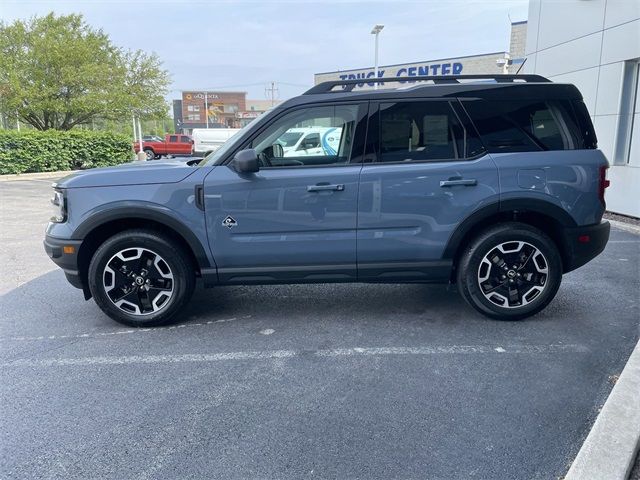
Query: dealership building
point(493, 62)
point(598, 50)
point(594, 44)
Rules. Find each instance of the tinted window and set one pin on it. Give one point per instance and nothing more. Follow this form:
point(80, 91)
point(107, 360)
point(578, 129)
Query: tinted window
point(173, 138)
point(525, 125)
point(421, 131)
point(185, 139)
point(325, 137)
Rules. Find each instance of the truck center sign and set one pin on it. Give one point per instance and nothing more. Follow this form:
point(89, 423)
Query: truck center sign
point(485, 63)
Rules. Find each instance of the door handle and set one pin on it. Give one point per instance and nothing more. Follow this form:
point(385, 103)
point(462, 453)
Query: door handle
point(323, 188)
point(452, 182)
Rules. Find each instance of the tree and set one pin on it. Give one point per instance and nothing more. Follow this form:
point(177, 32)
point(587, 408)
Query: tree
point(58, 72)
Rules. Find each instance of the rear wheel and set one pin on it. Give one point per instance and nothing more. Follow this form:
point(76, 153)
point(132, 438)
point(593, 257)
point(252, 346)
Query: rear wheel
point(149, 153)
point(141, 278)
point(510, 271)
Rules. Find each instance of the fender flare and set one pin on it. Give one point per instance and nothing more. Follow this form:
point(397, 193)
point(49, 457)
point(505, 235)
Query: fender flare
point(143, 211)
point(521, 205)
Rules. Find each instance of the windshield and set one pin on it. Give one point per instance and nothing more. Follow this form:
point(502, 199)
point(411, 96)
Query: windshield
point(215, 157)
point(289, 139)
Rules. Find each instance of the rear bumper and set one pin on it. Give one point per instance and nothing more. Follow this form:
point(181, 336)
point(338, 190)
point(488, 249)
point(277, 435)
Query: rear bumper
point(584, 244)
point(68, 262)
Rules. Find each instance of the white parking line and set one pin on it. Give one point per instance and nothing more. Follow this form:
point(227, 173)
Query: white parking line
point(120, 332)
point(270, 354)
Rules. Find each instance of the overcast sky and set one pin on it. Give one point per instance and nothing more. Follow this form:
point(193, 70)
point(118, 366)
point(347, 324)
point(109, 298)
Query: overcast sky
point(243, 45)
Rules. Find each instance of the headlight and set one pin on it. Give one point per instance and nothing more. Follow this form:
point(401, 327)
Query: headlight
point(58, 207)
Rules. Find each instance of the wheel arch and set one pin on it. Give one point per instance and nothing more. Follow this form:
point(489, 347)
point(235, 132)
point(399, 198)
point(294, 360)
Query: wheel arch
point(100, 226)
point(546, 216)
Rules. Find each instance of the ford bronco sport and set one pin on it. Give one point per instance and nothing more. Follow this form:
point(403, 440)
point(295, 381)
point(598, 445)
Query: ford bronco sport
point(493, 183)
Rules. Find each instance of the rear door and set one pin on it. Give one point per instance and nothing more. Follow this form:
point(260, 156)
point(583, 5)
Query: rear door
point(428, 172)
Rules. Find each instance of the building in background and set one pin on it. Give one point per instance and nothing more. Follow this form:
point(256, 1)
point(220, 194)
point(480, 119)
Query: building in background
point(222, 109)
point(486, 63)
point(595, 45)
point(226, 110)
point(254, 109)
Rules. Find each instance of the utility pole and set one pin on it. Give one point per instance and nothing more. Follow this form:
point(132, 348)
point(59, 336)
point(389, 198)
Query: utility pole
point(271, 93)
point(206, 107)
point(18, 121)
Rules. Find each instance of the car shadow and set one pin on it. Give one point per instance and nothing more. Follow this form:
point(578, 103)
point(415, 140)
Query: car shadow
point(49, 304)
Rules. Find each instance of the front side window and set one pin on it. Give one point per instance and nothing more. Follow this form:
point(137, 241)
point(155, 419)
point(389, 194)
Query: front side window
point(420, 131)
point(308, 137)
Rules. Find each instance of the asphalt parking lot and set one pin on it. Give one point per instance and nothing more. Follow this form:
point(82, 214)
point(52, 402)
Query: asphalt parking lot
point(316, 381)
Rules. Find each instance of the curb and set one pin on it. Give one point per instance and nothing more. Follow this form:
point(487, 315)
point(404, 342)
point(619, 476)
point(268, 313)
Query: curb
point(610, 449)
point(628, 227)
point(34, 176)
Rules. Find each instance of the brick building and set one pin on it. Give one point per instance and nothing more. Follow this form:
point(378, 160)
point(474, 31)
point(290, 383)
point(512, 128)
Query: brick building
point(223, 109)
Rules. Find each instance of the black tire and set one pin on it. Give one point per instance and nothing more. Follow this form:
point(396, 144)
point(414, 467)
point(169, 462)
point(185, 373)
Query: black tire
point(157, 157)
point(178, 276)
point(149, 153)
point(528, 288)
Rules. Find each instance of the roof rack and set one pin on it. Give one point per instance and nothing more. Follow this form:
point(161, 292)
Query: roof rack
point(349, 85)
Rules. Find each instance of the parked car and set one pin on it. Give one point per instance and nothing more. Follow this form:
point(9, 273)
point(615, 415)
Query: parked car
point(495, 185)
point(208, 140)
point(172, 144)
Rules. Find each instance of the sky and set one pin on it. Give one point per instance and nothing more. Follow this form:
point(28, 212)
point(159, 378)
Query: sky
point(244, 45)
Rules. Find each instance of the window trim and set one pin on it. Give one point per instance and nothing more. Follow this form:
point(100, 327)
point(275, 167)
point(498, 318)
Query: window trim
point(361, 133)
point(374, 129)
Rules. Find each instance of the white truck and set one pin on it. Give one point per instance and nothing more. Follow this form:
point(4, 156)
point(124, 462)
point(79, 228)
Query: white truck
point(207, 140)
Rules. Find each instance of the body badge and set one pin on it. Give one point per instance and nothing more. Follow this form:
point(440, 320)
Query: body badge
point(229, 222)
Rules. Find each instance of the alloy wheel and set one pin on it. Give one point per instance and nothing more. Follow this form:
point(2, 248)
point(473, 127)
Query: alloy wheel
point(138, 281)
point(513, 274)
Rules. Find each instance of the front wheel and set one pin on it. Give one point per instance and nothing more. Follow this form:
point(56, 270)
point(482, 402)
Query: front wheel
point(141, 278)
point(510, 271)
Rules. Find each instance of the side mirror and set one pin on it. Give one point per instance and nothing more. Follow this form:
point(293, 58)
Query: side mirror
point(246, 161)
point(277, 150)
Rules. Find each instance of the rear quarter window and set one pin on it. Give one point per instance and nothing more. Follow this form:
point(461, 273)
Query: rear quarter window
point(527, 125)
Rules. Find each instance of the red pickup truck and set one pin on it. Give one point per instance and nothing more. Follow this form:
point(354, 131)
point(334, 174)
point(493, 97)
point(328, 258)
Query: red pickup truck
point(173, 144)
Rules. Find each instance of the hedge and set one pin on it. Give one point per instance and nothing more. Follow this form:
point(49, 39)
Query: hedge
point(51, 150)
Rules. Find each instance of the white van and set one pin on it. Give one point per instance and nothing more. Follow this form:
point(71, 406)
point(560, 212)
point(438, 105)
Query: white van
point(310, 141)
point(207, 140)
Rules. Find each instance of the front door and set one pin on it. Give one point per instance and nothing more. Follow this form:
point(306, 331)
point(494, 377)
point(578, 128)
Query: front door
point(295, 219)
point(429, 172)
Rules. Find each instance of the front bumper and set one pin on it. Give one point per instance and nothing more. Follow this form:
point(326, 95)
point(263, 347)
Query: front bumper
point(68, 261)
point(584, 244)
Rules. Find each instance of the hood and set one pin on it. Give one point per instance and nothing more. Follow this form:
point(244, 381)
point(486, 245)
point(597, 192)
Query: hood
point(134, 173)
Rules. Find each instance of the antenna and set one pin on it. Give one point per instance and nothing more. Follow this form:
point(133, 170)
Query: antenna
point(522, 65)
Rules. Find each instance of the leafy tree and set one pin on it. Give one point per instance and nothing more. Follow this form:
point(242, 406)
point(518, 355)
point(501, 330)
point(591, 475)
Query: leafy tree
point(57, 72)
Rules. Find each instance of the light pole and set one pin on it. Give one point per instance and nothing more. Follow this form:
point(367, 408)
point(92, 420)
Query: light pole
point(377, 28)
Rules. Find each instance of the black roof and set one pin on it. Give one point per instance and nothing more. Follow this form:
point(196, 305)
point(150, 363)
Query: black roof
point(471, 86)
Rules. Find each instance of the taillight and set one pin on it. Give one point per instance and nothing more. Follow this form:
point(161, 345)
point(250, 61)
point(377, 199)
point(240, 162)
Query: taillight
point(604, 182)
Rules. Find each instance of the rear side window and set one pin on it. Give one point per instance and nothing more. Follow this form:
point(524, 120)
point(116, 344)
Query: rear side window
point(421, 131)
point(526, 125)
point(173, 138)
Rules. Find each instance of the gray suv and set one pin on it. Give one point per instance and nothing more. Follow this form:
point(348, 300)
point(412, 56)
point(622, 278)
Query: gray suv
point(493, 183)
